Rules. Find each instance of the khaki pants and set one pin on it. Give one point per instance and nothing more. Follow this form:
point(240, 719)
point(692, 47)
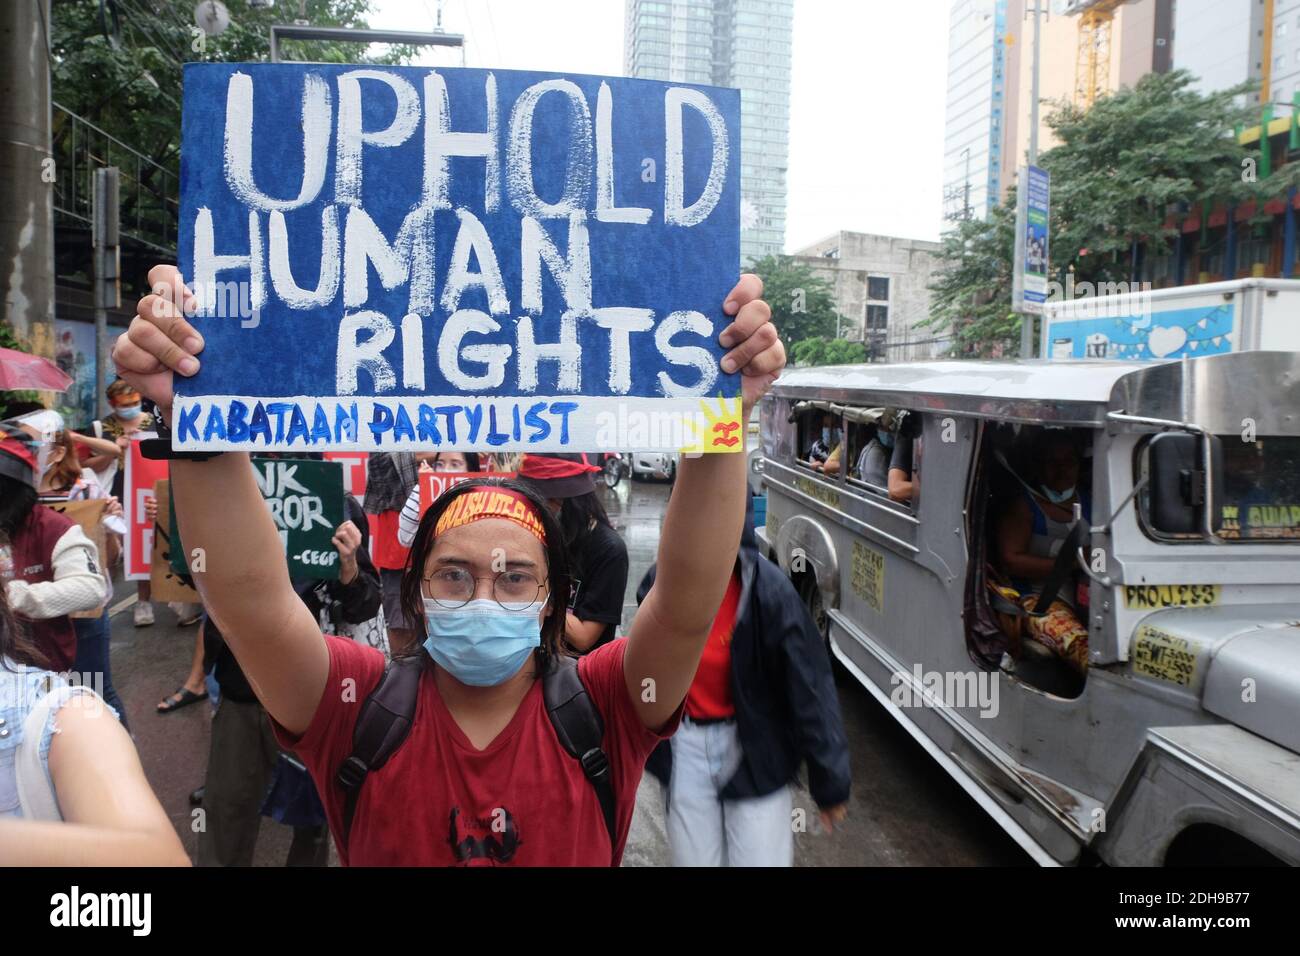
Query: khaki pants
point(241, 760)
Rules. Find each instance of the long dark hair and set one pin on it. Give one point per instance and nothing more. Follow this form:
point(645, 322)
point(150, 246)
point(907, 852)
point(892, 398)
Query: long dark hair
point(577, 515)
point(15, 646)
point(557, 567)
point(17, 498)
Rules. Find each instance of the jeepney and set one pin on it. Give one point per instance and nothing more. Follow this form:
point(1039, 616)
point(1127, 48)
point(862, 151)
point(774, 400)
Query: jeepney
point(1180, 743)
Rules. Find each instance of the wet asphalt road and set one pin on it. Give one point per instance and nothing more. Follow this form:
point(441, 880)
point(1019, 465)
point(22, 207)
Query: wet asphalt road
point(904, 811)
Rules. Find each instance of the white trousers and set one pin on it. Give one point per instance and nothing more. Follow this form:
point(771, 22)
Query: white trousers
point(706, 830)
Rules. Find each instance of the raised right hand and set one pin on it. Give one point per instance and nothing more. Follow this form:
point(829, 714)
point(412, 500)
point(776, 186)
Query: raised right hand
point(159, 341)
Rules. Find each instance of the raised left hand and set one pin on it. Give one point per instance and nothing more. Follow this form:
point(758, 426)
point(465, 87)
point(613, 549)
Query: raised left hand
point(756, 351)
point(347, 539)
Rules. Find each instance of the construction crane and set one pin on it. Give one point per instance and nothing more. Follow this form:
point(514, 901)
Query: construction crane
point(1092, 65)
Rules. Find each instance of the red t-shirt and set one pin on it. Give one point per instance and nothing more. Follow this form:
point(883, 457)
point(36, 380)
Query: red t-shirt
point(710, 695)
point(387, 553)
point(440, 802)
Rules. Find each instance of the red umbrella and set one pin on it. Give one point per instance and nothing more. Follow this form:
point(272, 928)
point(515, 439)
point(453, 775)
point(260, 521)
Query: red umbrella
point(18, 370)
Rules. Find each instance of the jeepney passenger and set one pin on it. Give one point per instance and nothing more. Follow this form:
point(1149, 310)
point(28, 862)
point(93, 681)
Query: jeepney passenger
point(1031, 532)
point(902, 479)
point(825, 444)
point(873, 463)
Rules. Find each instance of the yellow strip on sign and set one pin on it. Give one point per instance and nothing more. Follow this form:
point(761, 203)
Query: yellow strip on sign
point(1149, 597)
point(1158, 653)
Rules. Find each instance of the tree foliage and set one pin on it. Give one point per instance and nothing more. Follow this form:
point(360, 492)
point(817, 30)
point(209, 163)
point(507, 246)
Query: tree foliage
point(132, 89)
point(802, 304)
point(1119, 172)
point(823, 351)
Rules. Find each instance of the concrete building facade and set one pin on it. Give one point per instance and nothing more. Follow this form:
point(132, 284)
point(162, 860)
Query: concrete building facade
point(737, 43)
point(881, 287)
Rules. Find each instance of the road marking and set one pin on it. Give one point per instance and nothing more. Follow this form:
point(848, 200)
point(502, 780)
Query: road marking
point(122, 605)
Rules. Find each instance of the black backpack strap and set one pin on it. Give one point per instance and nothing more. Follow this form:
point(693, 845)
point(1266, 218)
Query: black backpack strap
point(1062, 568)
point(580, 729)
point(382, 725)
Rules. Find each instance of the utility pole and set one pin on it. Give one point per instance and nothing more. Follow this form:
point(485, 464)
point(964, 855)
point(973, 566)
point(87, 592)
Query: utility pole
point(26, 175)
point(965, 209)
point(107, 271)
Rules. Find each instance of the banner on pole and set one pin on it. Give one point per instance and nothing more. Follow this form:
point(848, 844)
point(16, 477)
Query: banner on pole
point(1033, 210)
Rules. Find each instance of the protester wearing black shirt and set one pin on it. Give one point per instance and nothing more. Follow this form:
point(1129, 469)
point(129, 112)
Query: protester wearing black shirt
point(597, 555)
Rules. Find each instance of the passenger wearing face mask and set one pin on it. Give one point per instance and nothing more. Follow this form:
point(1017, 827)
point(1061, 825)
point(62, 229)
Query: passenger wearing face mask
point(1031, 534)
point(1037, 522)
point(49, 567)
point(873, 463)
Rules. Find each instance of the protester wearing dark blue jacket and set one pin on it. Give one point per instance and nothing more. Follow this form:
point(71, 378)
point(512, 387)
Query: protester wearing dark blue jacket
point(786, 713)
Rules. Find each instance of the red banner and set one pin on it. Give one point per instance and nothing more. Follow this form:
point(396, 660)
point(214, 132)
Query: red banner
point(137, 489)
point(434, 483)
point(354, 471)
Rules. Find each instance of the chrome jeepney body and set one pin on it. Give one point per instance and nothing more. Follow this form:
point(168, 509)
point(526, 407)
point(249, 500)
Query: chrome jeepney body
point(1187, 727)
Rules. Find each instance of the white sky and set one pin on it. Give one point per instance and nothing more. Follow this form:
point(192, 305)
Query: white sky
point(866, 101)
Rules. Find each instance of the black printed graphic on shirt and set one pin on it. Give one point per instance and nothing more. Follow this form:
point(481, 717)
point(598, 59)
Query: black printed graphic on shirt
point(495, 837)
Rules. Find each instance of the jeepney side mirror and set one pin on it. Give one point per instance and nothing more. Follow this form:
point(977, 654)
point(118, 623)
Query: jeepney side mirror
point(1177, 494)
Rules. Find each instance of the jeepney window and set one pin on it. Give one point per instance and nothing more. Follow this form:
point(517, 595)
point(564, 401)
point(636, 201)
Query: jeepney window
point(1260, 499)
point(819, 436)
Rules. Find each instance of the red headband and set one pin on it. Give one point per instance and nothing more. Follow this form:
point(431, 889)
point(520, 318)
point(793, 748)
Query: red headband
point(491, 503)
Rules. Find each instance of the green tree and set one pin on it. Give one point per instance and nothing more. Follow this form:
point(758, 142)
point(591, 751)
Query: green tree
point(823, 351)
point(131, 87)
point(1119, 171)
point(801, 300)
point(971, 297)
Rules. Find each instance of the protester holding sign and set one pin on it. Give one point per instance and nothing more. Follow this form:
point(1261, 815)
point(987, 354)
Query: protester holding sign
point(74, 793)
point(597, 555)
point(481, 749)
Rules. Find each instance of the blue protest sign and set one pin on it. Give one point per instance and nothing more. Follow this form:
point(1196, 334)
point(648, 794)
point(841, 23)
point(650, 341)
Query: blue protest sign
point(401, 258)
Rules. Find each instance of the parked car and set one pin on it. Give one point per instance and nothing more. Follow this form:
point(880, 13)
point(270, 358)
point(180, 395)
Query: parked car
point(654, 464)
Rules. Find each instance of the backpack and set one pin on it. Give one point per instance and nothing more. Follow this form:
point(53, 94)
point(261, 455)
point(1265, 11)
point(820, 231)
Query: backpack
point(386, 716)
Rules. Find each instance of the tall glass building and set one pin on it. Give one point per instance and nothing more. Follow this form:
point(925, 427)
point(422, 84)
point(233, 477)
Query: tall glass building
point(738, 43)
point(972, 149)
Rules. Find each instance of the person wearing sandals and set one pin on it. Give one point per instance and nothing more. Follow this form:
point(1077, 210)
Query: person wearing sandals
point(481, 777)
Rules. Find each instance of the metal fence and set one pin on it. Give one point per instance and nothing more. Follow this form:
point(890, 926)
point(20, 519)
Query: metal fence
point(150, 193)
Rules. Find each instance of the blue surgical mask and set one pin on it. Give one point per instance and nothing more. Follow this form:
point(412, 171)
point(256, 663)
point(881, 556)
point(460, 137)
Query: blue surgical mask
point(885, 438)
point(826, 436)
point(1058, 497)
point(127, 412)
point(482, 644)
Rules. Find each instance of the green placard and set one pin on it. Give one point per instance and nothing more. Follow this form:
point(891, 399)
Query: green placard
point(306, 501)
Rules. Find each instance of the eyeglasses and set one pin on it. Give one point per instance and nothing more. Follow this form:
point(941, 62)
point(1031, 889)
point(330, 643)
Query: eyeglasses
point(454, 587)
